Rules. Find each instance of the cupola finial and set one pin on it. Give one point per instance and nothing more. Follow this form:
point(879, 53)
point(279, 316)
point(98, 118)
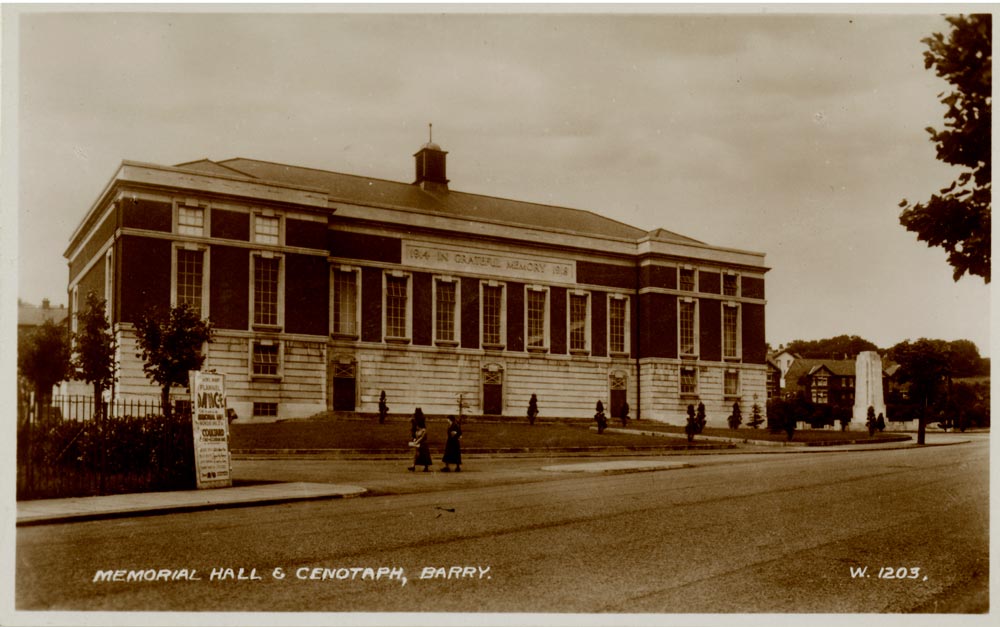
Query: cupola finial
point(430, 162)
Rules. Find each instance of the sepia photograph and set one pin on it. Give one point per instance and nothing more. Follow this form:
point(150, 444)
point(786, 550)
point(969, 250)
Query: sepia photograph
point(496, 314)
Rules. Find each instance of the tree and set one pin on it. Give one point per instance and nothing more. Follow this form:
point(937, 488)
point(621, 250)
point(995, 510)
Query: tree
point(964, 358)
point(924, 364)
point(95, 348)
point(532, 409)
point(43, 358)
point(170, 346)
point(845, 414)
point(790, 427)
point(736, 418)
point(831, 348)
point(958, 217)
point(756, 419)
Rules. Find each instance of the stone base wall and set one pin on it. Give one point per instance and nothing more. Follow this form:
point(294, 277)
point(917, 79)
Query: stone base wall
point(433, 379)
point(300, 391)
point(663, 402)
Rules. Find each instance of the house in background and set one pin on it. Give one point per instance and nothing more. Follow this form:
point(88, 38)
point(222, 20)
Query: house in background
point(774, 379)
point(783, 359)
point(823, 381)
point(31, 316)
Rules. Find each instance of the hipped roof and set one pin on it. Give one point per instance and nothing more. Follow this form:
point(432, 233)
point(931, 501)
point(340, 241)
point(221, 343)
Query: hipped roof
point(363, 190)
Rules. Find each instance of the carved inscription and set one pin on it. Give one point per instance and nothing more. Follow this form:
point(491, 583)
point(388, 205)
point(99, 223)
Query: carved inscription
point(501, 265)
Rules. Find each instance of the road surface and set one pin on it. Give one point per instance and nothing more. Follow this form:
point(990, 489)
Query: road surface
point(772, 533)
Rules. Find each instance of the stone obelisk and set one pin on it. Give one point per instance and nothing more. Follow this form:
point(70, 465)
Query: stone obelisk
point(867, 388)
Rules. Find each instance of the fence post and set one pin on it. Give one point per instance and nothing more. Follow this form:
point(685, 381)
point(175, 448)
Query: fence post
point(99, 421)
point(29, 470)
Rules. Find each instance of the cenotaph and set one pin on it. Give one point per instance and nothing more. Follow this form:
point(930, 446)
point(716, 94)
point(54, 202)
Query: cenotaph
point(867, 388)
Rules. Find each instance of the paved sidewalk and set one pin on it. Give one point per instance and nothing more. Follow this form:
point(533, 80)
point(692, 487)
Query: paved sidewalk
point(616, 467)
point(852, 438)
point(46, 511)
point(304, 479)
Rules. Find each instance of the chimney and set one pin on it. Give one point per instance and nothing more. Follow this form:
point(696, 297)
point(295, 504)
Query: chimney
point(430, 164)
point(45, 303)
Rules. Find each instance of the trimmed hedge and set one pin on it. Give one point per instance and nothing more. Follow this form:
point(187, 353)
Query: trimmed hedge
point(63, 458)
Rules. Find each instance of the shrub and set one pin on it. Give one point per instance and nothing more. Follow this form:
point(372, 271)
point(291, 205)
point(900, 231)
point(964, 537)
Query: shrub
point(532, 409)
point(140, 454)
point(735, 418)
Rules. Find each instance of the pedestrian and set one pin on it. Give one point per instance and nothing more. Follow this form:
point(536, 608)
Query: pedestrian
point(625, 409)
point(383, 408)
point(602, 420)
point(418, 441)
point(453, 446)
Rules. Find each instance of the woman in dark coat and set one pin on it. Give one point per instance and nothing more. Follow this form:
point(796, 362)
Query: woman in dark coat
point(453, 446)
point(421, 449)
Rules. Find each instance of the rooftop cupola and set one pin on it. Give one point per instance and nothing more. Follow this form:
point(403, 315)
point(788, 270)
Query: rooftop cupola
point(430, 162)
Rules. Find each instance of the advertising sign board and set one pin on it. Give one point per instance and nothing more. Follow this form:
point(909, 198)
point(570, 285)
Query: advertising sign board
point(211, 429)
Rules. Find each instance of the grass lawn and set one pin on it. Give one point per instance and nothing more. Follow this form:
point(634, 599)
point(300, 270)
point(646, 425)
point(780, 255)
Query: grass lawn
point(819, 436)
point(392, 436)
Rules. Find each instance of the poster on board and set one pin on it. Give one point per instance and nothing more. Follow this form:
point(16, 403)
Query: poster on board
point(211, 430)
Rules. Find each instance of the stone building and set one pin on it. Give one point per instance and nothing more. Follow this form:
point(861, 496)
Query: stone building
point(326, 289)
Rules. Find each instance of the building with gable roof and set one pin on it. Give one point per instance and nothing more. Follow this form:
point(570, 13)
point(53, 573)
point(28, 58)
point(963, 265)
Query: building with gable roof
point(326, 289)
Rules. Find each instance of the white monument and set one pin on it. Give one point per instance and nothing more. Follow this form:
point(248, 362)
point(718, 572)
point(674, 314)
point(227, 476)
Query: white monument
point(867, 388)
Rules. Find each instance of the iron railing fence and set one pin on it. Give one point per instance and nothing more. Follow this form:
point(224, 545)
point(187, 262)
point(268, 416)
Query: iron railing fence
point(63, 451)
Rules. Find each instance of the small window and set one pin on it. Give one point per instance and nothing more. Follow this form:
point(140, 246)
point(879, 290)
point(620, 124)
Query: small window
point(687, 281)
point(265, 359)
point(191, 221)
point(732, 383)
point(689, 381)
point(265, 410)
point(730, 284)
point(266, 229)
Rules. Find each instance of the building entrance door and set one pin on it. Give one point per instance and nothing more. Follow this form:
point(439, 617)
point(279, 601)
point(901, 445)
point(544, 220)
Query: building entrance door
point(619, 388)
point(493, 391)
point(344, 386)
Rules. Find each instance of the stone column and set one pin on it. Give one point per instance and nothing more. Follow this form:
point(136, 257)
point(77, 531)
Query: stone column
point(867, 388)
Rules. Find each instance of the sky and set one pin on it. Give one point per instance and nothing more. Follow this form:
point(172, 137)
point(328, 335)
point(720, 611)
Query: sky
point(795, 135)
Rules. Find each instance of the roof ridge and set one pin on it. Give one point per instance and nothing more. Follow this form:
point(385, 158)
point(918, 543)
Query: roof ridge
point(306, 167)
point(217, 163)
point(454, 191)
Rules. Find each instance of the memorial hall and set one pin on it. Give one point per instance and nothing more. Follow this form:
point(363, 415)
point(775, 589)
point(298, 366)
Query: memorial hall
point(326, 289)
